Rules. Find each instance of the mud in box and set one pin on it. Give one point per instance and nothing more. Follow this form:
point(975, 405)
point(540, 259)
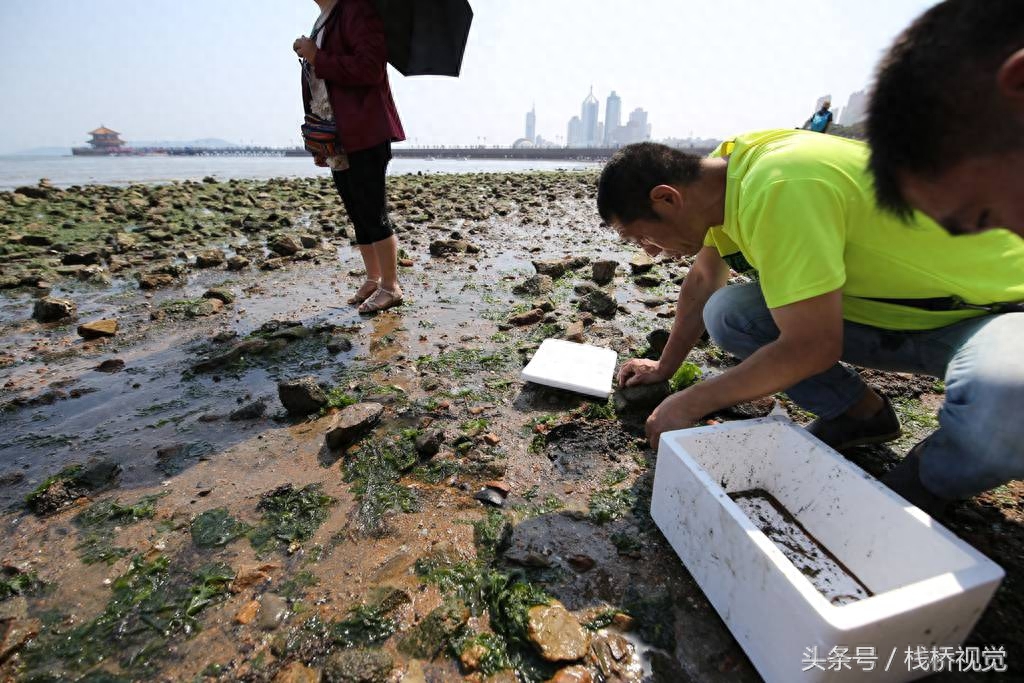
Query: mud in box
point(804, 555)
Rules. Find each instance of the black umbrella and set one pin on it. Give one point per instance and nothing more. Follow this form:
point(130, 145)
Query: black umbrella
point(426, 37)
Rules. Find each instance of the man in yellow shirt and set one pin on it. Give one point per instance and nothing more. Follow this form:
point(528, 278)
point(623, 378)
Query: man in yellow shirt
point(837, 280)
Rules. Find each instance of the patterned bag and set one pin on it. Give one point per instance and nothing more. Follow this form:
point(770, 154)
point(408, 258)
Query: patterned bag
point(320, 136)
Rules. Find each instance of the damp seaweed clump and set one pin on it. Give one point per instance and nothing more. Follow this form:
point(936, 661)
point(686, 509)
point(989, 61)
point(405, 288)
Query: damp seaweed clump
point(375, 472)
point(150, 606)
point(608, 504)
point(687, 375)
point(216, 528)
point(98, 525)
point(290, 516)
point(13, 582)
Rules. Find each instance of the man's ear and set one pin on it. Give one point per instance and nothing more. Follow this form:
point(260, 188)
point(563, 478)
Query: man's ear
point(1010, 79)
point(665, 194)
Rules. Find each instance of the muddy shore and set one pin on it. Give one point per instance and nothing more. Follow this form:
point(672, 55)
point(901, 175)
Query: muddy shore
point(168, 518)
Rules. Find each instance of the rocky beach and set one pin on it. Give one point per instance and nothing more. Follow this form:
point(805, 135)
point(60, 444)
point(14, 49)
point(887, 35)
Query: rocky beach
point(212, 468)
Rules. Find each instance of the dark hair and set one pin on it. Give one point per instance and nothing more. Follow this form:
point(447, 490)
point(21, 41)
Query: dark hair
point(624, 189)
point(935, 101)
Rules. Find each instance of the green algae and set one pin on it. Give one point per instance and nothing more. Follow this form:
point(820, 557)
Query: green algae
point(216, 528)
point(290, 516)
point(98, 525)
point(375, 472)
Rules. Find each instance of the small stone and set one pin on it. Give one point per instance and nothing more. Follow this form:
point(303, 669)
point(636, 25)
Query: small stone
point(600, 304)
point(490, 497)
point(535, 285)
point(309, 241)
point(252, 411)
point(36, 240)
point(584, 288)
point(339, 344)
point(297, 672)
point(273, 611)
point(284, 245)
point(428, 443)
point(529, 318)
point(49, 309)
point(358, 666)
point(641, 396)
point(573, 674)
point(647, 280)
point(544, 305)
point(155, 281)
point(248, 613)
point(446, 247)
point(98, 328)
point(302, 396)
point(352, 423)
point(603, 272)
point(111, 365)
point(574, 332)
point(581, 563)
point(210, 258)
point(82, 258)
point(237, 263)
point(657, 339)
point(491, 439)
point(641, 263)
point(222, 294)
point(615, 658)
point(248, 576)
point(552, 269)
point(556, 633)
point(406, 262)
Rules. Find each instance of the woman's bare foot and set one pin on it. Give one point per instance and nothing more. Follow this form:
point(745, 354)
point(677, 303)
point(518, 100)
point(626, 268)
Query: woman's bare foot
point(364, 292)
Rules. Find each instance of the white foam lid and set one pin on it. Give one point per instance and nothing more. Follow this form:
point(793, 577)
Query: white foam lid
point(577, 367)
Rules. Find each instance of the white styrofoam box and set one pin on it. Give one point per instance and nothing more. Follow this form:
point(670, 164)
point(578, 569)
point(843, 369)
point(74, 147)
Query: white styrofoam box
point(577, 367)
point(928, 588)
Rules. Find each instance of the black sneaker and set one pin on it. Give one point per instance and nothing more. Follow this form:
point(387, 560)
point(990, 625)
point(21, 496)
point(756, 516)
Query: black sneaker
point(905, 479)
point(846, 432)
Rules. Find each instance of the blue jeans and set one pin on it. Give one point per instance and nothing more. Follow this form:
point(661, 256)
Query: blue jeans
point(980, 440)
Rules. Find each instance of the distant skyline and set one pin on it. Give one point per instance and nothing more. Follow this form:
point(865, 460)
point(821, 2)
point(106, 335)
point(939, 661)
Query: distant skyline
point(186, 69)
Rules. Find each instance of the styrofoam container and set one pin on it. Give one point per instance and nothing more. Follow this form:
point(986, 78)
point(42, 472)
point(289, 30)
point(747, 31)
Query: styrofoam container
point(564, 364)
point(928, 588)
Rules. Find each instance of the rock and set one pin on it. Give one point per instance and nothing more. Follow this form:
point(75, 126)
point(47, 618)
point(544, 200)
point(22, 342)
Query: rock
point(222, 294)
point(292, 333)
point(49, 309)
point(616, 659)
point(544, 305)
point(656, 340)
point(428, 443)
point(585, 288)
point(302, 396)
point(339, 344)
point(309, 241)
point(33, 191)
point(36, 240)
point(603, 272)
point(273, 611)
point(553, 269)
point(751, 409)
point(16, 634)
point(581, 563)
point(445, 247)
point(431, 635)
point(574, 332)
point(490, 497)
point(123, 241)
point(155, 281)
point(491, 439)
point(406, 262)
point(358, 666)
point(528, 318)
point(600, 304)
point(252, 411)
point(247, 614)
point(111, 365)
point(80, 258)
point(641, 397)
point(535, 285)
point(237, 263)
point(249, 576)
point(641, 263)
point(556, 633)
point(284, 245)
point(297, 672)
point(98, 328)
point(210, 258)
point(352, 423)
point(573, 674)
point(249, 347)
point(647, 280)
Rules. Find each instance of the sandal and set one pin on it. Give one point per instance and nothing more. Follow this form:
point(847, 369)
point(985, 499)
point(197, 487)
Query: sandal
point(364, 292)
point(381, 300)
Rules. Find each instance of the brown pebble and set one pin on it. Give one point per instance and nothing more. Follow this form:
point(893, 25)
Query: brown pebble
point(248, 613)
point(492, 439)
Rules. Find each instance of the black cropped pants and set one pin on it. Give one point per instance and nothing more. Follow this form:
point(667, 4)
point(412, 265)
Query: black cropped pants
point(362, 191)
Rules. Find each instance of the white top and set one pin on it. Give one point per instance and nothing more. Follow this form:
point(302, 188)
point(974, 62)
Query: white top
point(319, 102)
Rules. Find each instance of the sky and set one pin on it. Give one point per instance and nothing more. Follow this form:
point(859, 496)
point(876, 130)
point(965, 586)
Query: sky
point(189, 69)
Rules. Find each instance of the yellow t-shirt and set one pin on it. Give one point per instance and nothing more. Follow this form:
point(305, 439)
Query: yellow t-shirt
point(800, 208)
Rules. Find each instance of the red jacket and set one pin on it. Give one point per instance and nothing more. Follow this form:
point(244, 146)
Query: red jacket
point(353, 63)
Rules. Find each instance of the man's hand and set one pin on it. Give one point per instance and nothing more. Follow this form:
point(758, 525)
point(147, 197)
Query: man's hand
point(305, 48)
point(641, 371)
point(678, 411)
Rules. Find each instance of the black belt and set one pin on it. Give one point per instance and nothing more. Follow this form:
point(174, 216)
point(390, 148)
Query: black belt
point(953, 303)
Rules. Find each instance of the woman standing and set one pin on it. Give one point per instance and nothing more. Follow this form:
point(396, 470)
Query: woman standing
point(345, 80)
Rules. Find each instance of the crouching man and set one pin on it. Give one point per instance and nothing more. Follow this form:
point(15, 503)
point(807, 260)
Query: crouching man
point(837, 280)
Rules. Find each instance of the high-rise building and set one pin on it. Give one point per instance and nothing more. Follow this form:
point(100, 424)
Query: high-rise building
point(574, 137)
point(636, 130)
point(531, 124)
point(612, 118)
point(588, 116)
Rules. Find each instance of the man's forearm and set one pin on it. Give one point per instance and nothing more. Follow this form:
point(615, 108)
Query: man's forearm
point(688, 325)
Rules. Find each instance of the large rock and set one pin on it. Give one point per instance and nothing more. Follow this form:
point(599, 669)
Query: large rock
point(641, 396)
point(358, 666)
point(600, 304)
point(222, 294)
point(50, 309)
point(155, 281)
point(285, 245)
point(210, 258)
point(301, 396)
point(445, 247)
point(603, 272)
point(352, 423)
point(556, 633)
point(237, 263)
point(81, 258)
point(535, 285)
point(98, 328)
